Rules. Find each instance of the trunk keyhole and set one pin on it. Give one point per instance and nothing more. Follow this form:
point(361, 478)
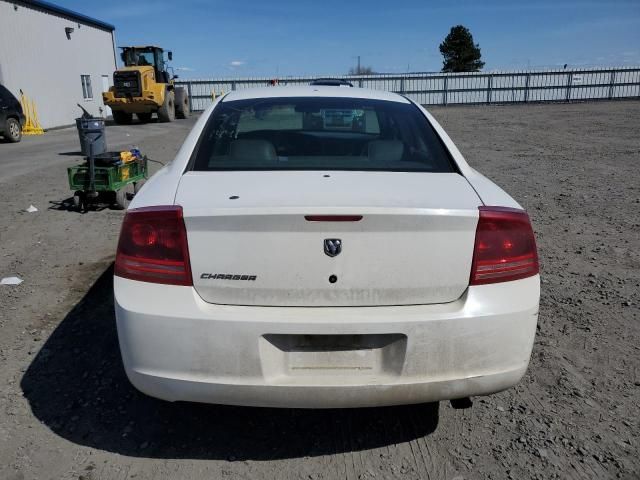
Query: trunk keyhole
point(333, 279)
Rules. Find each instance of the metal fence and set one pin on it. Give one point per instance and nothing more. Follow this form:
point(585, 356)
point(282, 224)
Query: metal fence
point(459, 88)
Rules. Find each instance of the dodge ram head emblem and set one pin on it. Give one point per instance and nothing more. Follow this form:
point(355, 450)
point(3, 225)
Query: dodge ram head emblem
point(332, 246)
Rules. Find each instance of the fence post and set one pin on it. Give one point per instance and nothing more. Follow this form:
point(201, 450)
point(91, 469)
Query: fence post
point(569, 82)
point(612, 80)
point(526, 88)
point(489, 85)
point(402, 84)
point(233, 85)
point(189, 95)
point(444, 93)
point(360, 82)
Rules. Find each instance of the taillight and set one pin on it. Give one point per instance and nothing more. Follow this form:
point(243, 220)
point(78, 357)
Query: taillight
point(153, 246)
point(505, 247)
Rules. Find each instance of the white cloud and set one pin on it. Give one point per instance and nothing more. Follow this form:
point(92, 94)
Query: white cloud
point(185, 69)
point(236, 63)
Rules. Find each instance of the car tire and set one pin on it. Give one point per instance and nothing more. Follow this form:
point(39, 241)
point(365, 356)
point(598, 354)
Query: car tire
point(182, 103)
point(122, 118)
point(167, 112)
point(144, 117)
point(12, 130)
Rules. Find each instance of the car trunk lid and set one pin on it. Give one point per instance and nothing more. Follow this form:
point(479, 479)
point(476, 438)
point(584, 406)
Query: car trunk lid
point(271, 238)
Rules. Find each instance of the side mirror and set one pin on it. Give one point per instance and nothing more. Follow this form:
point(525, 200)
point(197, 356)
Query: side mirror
point(176, 76)
point(170, 55)
point(122, 57)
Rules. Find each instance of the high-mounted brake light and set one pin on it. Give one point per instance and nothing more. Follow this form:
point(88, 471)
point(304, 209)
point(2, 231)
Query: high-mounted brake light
point(505, 248)
point(153, 246)
point(333, 218)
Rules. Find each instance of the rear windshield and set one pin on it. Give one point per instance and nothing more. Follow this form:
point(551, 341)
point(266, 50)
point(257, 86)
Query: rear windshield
point(320, 133)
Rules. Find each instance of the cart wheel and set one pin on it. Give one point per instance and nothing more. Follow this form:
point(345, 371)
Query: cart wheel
point(78, 198)
point(123, 196)
point(137, 186)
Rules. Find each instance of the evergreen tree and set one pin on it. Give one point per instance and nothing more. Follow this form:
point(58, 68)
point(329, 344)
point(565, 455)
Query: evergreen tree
point(459, 52)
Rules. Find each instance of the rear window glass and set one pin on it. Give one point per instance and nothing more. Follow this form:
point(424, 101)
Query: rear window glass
point(320, 133)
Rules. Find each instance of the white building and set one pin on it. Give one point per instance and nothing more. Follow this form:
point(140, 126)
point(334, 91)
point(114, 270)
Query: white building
point(57, 57)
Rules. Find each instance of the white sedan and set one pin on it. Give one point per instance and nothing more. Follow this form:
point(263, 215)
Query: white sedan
point(323, 247)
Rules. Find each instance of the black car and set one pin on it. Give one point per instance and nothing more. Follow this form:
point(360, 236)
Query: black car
point(11, 116)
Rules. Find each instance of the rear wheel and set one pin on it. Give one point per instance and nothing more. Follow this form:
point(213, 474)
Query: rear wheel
point(122, 118)
point(167, 112)
point(13, 130)
point(182, 103)
point(144, 117)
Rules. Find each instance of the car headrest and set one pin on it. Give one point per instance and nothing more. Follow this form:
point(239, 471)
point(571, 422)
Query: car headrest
point(389, 150)
point(253, 150)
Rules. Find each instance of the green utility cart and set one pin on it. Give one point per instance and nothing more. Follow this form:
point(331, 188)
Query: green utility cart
point(106, 179)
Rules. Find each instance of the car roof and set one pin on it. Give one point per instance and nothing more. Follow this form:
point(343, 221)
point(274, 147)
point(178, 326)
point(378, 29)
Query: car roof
point(313, 91)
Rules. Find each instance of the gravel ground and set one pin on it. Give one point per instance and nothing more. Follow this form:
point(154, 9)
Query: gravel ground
point(68, 412)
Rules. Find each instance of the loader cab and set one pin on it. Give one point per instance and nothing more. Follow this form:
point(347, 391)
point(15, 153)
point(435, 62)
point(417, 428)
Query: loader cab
point(147, 56)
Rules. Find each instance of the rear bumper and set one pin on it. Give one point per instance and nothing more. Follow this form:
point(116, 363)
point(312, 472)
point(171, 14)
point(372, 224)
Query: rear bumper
point(176, 347)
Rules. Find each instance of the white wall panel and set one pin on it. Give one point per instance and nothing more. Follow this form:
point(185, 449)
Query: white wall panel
point(37, 57)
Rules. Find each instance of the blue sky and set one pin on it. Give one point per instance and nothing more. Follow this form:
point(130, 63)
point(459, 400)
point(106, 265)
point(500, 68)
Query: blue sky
point(279, 38)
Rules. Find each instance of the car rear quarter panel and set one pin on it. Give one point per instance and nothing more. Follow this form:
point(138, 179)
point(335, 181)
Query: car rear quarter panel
point(161, 188)
point(490, 193)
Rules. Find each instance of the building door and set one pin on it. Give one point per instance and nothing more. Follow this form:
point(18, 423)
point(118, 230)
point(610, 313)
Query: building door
point(105, 87)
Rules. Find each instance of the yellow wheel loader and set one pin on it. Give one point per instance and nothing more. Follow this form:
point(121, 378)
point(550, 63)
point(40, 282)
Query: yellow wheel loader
point(144, 87)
